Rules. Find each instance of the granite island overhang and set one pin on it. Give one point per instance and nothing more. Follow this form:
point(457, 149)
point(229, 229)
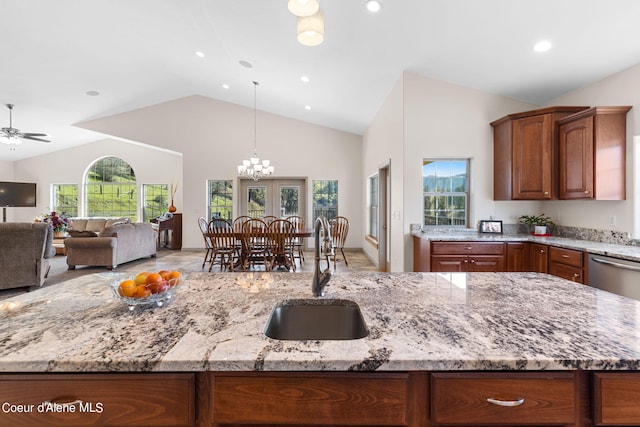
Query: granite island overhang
point(417, 322)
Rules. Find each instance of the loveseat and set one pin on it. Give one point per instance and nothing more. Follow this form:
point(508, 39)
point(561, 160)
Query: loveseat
point(108, 242)
point(24, 251)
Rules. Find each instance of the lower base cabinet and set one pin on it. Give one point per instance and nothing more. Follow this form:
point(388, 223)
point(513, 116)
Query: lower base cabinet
point(132, 400)
point(463, 399)
point(616, 399)
point(413, 399)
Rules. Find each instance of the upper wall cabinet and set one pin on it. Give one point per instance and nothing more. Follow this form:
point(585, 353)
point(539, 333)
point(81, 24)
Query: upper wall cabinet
point(592, 154)
point(525, 154)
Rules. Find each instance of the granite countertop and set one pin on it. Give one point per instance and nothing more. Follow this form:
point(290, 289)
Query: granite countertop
point(417, 321)
point(628, 252)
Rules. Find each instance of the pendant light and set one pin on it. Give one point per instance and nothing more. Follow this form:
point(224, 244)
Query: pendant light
point(254, 168)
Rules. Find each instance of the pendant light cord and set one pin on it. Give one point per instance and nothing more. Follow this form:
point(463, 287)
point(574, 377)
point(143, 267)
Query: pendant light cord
point(255, 118)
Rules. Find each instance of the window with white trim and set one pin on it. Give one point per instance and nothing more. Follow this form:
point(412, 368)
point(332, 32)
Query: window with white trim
point(445, 189)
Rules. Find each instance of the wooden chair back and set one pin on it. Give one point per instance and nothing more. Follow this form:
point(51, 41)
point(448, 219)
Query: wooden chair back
point(255, 241)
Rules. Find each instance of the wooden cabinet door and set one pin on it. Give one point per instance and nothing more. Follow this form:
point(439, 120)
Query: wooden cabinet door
point(616, 397)
point(566, 272)
point(539, 258)
point(449, 263)
point(518, 256)
point(464, 399)
point(114, 399)
point(310, 398)
point(533, 157)
point(576, 159)
point(488, 263)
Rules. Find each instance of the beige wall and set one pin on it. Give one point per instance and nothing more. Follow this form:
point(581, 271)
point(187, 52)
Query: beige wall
point(383, 143)
point(618, 89)
point(214, 136)
point(428, 118)
point(151, 166)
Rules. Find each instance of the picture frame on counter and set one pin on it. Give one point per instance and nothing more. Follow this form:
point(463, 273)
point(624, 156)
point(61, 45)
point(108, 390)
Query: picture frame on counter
point(491, 226)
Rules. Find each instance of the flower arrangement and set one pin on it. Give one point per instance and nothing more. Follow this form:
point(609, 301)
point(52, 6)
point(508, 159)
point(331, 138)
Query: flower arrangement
point(60, 222)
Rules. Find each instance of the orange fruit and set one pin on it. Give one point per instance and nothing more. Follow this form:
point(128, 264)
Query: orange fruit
point(175, 277)
point(165, 274)
point(127, 288)
point(141, 291)
point(153, 278)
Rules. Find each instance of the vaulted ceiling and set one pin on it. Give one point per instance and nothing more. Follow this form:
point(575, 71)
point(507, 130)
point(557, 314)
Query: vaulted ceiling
point(138, 53)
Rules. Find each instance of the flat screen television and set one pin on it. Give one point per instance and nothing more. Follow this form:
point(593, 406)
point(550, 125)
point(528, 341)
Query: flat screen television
point(17, 194)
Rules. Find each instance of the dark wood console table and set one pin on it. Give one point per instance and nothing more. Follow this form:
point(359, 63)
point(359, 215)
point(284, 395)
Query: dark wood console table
point(169, 231)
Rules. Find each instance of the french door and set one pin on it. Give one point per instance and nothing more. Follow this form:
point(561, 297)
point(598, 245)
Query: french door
point(273, 197)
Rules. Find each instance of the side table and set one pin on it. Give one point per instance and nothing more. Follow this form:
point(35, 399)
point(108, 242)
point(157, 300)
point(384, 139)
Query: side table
point(58, 243)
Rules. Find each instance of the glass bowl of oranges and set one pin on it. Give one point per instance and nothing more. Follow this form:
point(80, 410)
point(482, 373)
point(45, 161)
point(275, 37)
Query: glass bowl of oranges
point(147, 287)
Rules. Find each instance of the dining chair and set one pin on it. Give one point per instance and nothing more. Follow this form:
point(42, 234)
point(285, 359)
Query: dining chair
point(339, 230)
point(223, 243)
point(281, 244)
point(237, 224)
point(204, 228)
point(298, 223)
point(268, 219)
point(254, 243)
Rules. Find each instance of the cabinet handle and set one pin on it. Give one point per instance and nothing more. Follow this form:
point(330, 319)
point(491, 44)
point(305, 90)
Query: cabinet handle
point(498, 402)
point(546, 193)
point(565, 256)
point(586, 191)
point(541, 251)
point(473, 260)
point(469, 248)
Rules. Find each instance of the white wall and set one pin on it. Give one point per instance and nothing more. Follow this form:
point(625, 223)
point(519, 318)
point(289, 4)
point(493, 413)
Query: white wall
point(428, 118)
point(618, 89)
point(214, 136)
point(383, 142)
point(151, 166)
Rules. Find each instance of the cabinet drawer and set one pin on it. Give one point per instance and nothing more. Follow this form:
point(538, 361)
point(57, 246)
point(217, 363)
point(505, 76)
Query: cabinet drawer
point(616, 397)
point(98, 399)
point(307, 398)
point(540, 399)
point(467, 248)
point(566, 256)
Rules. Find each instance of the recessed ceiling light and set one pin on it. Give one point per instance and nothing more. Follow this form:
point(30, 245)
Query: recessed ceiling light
point(373, 5)
point(225, 86)
point(542, 46)
point(245, 64)
point(92, 93)
point(200, 54)
point(307, 107)
point(304, 79)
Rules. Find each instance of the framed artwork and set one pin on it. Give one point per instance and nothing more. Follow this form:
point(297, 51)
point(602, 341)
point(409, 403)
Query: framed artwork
point(491, 227)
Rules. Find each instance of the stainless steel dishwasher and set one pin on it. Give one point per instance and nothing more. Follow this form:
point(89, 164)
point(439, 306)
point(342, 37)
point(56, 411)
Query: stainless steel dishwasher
point(615, 275)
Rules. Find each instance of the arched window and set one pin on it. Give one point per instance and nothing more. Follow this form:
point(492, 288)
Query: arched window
point(111, 190)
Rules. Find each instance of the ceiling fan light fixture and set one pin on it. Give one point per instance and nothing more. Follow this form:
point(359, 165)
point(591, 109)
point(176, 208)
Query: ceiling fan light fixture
point(311, 29)
point(303, 8)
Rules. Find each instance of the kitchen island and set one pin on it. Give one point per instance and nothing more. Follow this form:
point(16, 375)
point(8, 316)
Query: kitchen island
point(420, 325)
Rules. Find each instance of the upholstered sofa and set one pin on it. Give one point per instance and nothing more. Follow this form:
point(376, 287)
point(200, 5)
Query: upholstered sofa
point(24, 251)
point(108, 242)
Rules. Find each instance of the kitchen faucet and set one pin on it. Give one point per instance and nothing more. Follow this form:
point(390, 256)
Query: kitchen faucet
point(321, 279)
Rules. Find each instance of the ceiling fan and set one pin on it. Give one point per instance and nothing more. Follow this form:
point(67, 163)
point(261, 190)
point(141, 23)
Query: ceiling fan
point(12, 136)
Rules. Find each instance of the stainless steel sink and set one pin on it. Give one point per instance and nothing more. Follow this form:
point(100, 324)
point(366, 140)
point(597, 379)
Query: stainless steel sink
point(316, 319)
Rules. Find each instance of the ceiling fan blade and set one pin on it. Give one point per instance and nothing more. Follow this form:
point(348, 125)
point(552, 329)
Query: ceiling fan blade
point(33, 134)
point(33, 138)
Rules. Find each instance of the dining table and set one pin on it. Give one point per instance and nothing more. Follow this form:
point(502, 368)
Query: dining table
point(280, 261)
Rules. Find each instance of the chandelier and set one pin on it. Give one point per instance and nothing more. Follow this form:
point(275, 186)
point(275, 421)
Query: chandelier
point(254, 168)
